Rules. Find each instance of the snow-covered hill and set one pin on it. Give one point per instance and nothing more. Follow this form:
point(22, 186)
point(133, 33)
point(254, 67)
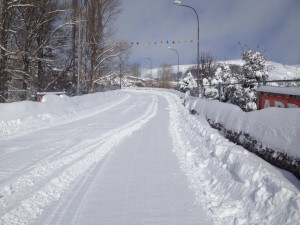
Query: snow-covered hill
point(281, 71)
point(276, 70)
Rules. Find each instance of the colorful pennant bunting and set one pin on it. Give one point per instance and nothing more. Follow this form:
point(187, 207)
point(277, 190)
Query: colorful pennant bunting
point(139, 43)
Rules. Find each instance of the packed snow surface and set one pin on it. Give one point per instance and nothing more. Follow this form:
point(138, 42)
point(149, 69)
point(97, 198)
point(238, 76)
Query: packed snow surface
point(132, 157)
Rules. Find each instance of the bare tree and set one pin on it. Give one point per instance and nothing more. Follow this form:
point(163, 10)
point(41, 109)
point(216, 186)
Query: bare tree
point(38, 41)
point(100, 16)
point(135, 69)
point(111, 60)
point(74, 15)
point(164, 74)
point(207, 68)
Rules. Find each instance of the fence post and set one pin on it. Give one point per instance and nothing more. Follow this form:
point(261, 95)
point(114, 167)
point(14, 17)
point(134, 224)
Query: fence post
point(264, 81)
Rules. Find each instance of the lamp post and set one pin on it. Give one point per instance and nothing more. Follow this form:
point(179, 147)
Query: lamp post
point(179, 3)
point(150, 64)
point(177, 59)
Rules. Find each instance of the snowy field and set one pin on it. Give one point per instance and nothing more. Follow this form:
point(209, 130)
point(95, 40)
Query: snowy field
point(135, 157)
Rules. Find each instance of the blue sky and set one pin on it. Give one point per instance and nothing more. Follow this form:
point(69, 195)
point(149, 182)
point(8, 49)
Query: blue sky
point(226, 26)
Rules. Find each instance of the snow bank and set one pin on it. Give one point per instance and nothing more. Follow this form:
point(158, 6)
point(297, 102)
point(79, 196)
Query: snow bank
point(19, 118)
point(236, 186)
point(277, 128)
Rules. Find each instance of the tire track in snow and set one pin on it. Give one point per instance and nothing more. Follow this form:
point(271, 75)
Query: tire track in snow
point(69, 118)
point(27, 207)
point(79, 145)
point(46, 167)
point(53, 145)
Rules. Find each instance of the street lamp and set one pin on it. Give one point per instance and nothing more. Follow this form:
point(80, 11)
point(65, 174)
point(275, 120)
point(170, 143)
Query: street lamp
point(177, 59)
point(150, 64)
point(179, 3)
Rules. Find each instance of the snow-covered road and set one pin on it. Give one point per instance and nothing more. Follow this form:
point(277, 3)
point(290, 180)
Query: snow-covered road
point(114, 167)
point(132, 157)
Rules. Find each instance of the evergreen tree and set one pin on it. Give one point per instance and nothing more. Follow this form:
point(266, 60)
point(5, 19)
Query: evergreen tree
point(254, 67)
point(253, 71)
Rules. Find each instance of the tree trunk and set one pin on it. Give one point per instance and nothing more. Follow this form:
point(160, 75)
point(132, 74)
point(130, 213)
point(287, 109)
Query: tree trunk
point(4, 17)
point(74, 30)
point(40, 71)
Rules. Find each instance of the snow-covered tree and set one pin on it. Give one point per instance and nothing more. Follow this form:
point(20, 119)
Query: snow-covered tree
point(253, 70)
point(222, 76)
point(210, 88)
point(228, 78)
point(255, 65)
point(188, 83)
point(244, 94)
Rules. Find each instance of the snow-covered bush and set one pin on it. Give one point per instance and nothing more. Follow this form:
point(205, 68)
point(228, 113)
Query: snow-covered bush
point(188, 83)
point(210, 91)
point(243, 94)
point(244, 97)
point(223, 74)
point(238, 83)
point(211, 85)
